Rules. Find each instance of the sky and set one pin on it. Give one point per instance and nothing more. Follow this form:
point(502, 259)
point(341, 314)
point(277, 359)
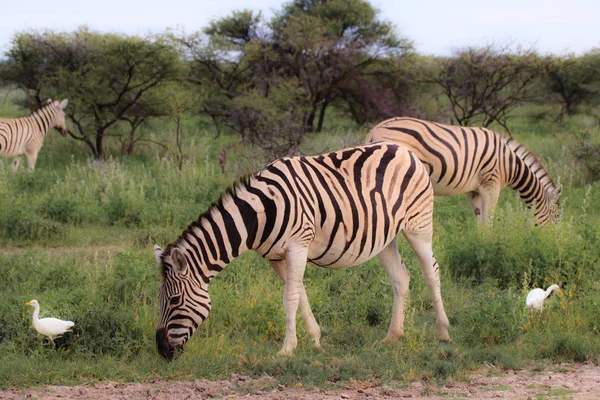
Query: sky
point(434, 26)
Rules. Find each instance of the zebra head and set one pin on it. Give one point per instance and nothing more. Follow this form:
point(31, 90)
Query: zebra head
point(59, 118)
point(184, 301)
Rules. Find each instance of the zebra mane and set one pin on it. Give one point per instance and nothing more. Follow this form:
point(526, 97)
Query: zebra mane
point(41, 106)
point(530, 159)
point(242, 183)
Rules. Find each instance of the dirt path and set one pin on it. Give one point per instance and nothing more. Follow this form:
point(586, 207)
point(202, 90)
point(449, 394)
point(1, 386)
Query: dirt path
point(581, 381)
point(62, 250)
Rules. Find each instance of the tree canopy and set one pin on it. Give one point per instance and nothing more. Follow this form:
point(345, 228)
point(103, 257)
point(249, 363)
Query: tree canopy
point(108, 78)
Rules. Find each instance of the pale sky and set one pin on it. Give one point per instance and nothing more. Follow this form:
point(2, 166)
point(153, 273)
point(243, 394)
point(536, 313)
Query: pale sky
point(435, 27)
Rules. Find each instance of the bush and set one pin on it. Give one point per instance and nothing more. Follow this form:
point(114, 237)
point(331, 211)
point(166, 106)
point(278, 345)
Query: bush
point(125, 211)
point(64, 210)
point(23, 224)
point(516, 254)
point(563, 347)
point(492, 316)
point(587, 153)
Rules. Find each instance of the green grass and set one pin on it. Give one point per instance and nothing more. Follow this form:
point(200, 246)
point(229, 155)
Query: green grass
point(77, 235)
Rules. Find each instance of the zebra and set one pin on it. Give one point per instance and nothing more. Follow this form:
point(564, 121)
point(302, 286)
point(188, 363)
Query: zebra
point(477, 162)
point(25, 136)
point(333, 210)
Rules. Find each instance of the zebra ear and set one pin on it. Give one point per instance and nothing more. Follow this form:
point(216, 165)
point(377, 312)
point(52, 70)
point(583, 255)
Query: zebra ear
point(158, 253)
point(64, 103)
point(178, 261)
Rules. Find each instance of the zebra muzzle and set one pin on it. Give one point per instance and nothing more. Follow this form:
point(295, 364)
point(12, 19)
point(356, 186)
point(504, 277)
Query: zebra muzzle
point(164, 347)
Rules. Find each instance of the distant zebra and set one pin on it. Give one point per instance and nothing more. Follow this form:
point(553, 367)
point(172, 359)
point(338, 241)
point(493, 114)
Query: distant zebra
point(333, 210)
point(25, 136)
point(475, 161)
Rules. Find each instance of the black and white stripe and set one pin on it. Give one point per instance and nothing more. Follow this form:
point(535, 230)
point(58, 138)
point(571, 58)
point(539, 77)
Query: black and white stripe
point(475, 161)
point(25, 136)
point(333, 210)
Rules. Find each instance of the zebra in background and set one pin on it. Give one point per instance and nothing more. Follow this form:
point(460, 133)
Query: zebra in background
point(475, 161)
point(25, 136)
point(333, 210)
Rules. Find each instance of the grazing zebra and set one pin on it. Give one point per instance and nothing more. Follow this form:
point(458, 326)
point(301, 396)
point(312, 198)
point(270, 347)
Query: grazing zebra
point(475, 161)
point(333, 210)
point(25, 136)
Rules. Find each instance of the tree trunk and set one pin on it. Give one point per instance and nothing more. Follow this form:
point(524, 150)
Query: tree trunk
point(322, 116)
point(131, 142)
point(223, 155)
point(99, 150)
point(310, 120)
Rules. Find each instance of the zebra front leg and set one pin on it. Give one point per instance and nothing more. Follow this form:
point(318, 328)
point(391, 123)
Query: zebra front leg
point(295, 266)
point(312, 328)
point(422, 246)
point(399, 277)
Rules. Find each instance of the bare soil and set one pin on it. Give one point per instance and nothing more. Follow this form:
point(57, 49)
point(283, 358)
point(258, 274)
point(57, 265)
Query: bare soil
point(576, 381)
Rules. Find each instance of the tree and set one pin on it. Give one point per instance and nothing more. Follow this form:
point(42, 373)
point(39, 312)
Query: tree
point(336, 49)
point(571, 78)
point(108, 78)
point(486, 83)
point(273, 82)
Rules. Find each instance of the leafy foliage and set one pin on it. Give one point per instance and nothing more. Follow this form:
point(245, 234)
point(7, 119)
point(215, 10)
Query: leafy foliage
point(108, 78)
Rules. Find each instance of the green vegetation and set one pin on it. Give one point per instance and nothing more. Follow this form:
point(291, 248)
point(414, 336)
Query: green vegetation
point(77, 235)
point(161, 125)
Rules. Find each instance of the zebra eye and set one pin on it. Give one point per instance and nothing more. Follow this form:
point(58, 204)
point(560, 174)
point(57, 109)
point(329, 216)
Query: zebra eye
point(174, 300)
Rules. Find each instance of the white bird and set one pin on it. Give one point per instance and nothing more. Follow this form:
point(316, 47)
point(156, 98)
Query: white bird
point(535, 298)
point(48, 326)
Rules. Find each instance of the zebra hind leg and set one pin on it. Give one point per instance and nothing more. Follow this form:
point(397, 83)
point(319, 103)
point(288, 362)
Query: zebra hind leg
point(312, 328)
point(474, 199)
point(294, 269)
point(15, 163)
point(399, 277)
point(422, 246)
point(31, 160)
point(489, 200)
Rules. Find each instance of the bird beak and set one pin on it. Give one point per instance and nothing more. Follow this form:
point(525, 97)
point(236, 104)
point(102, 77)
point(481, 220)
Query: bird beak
point(28, 303)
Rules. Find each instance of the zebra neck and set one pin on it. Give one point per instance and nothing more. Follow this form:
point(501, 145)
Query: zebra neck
point(227, 230)
point(44, 118)
point(527, 177)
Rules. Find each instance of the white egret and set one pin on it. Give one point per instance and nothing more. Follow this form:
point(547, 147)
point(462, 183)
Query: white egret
point(48, 326)
point(535, 298)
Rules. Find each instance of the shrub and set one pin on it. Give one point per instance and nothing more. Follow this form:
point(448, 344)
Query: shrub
point(588, 155)
point(64, 210)
point(23, 224)
point(563, 347)
point(492, 316)
point(124, 211)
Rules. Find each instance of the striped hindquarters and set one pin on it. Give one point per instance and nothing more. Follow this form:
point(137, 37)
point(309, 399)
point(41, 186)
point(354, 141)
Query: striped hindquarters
point(345, 206)
point(467, 159)
point(456, 157)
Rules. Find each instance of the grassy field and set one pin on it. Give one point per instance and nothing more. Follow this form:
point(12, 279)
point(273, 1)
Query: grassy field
point(77, 236)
